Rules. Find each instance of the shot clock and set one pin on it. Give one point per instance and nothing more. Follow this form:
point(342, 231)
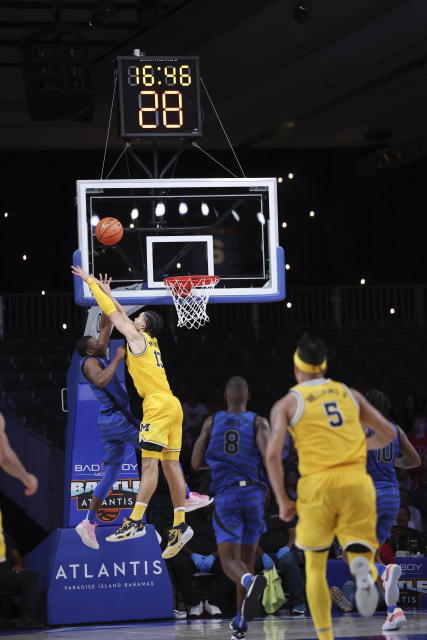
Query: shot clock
point(159, 97)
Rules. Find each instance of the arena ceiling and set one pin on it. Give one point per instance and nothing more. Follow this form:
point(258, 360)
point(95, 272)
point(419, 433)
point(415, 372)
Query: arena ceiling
point(282, 74)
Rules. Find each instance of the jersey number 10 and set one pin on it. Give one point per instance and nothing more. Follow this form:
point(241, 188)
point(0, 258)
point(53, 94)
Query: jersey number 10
point(385, 454)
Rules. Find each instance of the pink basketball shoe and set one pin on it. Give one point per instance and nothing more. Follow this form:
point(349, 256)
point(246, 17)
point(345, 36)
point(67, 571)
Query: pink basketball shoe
point(196, 501)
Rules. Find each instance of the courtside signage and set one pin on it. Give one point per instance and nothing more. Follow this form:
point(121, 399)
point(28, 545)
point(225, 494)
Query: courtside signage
point(84, 467)
point(120, 581)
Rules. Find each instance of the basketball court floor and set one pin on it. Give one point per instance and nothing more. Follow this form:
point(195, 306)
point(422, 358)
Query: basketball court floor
point(349, 626)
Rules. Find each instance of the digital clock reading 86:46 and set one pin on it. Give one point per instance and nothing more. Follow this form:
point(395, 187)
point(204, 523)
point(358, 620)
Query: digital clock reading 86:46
point(159, 97)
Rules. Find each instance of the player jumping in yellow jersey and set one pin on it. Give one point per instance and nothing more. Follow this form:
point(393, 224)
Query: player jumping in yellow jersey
point(161, 427)
point(336, 496)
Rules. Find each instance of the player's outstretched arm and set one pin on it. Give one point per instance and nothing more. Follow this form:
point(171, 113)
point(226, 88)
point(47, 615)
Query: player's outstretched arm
point(279, 421)
point(102, 376)
point(10, 462)
point(106, 301)
point(410, 457)
point(384, 432)
point(104, 284)
point(104, 332)
point(201, 444)
point(109, 307)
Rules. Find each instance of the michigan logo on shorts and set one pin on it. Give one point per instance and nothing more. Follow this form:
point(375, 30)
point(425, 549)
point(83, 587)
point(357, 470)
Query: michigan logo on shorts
point(145, 427)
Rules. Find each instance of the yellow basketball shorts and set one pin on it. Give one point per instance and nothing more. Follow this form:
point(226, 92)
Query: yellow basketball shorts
point(160, 433)
point(2, 542)
point(340, 502)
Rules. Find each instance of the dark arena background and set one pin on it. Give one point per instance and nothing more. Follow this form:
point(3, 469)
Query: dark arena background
point(327, 97)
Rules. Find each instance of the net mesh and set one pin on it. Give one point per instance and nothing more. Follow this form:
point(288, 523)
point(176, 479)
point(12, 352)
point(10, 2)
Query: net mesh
point(190, 295)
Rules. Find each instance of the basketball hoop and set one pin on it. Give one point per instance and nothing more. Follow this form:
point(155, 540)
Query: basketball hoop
point(190, 295)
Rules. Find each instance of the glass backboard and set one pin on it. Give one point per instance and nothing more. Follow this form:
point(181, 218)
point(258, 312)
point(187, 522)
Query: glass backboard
point(224, 227)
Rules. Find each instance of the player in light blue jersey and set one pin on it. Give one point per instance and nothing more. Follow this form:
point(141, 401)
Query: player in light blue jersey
point(232, 443)
point(381, 467)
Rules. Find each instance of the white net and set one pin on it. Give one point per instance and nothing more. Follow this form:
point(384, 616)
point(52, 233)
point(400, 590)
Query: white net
point(190, 295)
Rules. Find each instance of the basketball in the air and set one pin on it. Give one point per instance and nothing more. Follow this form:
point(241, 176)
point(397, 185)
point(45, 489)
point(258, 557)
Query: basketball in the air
point(109, 231)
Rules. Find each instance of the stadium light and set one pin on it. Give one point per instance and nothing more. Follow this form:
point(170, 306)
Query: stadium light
point(160, 209)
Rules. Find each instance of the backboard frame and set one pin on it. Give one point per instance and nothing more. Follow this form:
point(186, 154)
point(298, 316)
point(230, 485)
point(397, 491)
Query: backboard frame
point(276, 290)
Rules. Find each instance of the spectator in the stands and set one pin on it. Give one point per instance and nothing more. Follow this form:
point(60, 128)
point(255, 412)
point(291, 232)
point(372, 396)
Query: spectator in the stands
point(21, 582)
point(405, 539)
point(201, 556)
point(194, 414)
point(418, 438)
point(416, 520)
point(276, 548)
point(344, 597)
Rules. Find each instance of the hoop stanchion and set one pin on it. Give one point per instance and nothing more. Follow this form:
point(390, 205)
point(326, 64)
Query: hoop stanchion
point(190, 295)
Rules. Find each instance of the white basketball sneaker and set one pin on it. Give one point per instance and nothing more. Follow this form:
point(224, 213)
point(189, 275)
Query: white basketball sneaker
point(178, 537)
point(211, 609)
point(390, 578)
point(394, 620)
point(366, 592)
point(128, 530)
point(86, 530)
point(196, 611)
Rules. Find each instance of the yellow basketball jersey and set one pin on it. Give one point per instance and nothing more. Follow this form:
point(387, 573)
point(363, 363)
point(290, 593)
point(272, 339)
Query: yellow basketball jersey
point(326, 428)
point(147, 370)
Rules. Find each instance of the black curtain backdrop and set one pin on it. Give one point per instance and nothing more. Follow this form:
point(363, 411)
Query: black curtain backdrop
point(364, 227)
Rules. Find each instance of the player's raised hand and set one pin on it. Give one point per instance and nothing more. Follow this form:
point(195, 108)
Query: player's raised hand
point(287, 510)
point(31, 484)
point(104, 282)
point(78, 271)
point(120, 353)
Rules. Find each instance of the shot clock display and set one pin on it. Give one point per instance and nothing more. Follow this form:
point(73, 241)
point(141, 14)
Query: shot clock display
point(159, 96)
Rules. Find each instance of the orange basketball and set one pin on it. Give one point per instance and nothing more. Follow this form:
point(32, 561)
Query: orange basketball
point(109, 231)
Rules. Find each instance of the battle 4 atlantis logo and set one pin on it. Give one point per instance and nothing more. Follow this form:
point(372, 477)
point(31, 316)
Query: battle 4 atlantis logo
point(413, 590)
point(121, 496)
